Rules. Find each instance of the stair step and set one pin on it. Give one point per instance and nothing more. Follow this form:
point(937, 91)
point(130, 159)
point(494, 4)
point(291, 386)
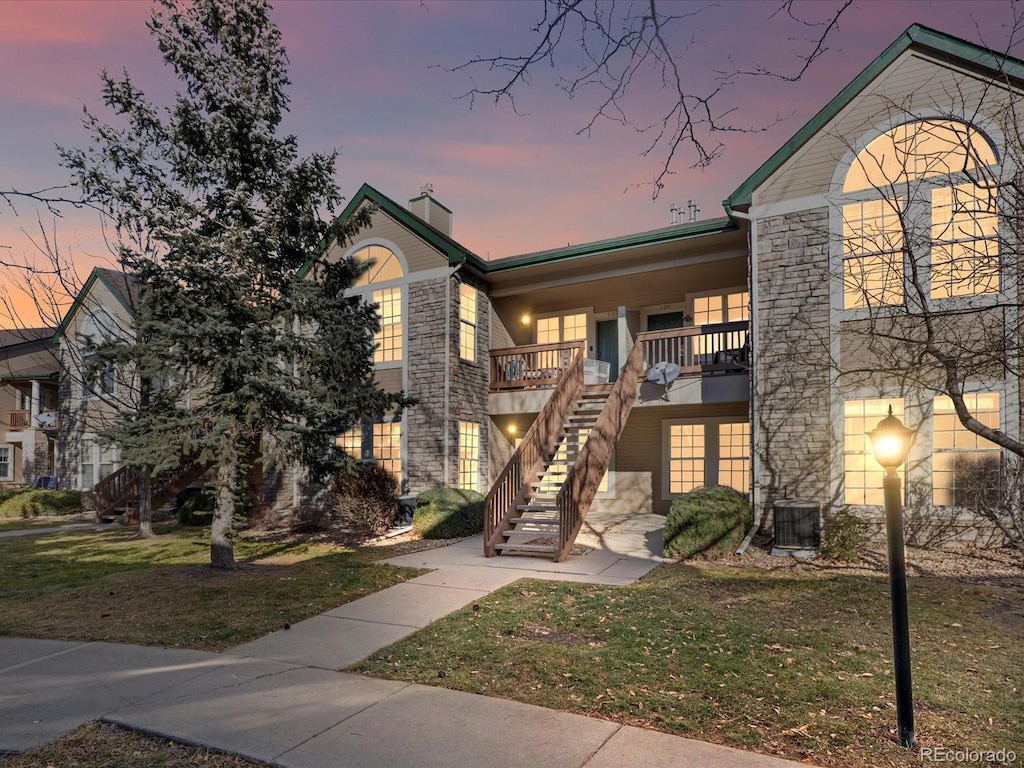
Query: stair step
point(546, 548)
point(548, 528)
point(536, 508)
point(534, 521)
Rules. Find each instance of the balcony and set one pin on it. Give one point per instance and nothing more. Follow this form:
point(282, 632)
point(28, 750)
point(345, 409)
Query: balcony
point(697, 350)
point(22, 419)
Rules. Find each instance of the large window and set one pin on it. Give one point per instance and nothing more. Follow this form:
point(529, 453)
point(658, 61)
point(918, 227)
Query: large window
point(383, 266)
point(862, 475)
point(686, 457)
point(964, 465)
point(469, 456)
point(922, 195)
point(721, 308)
point(380, 442)
point(95, 462)
point(389, 335)
point(467, 321)
point(554, 330)
point(734, 456)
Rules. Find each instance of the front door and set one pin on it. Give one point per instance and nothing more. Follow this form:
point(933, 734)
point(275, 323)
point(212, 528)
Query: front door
point(608, 346)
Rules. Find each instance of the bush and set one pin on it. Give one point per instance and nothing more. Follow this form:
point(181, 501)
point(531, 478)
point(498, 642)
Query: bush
point(32, 502)
point(706, 521)
point(448, 513)
point(196, 509)
point(365, 499)
point(845, 536)
point(10, 493)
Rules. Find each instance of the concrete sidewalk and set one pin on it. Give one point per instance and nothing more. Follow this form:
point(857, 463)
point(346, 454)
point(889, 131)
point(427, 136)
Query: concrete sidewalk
point(280, 699)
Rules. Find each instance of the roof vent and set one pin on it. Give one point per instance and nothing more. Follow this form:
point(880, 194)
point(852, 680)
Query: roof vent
point(675, 210)
point(691, 206)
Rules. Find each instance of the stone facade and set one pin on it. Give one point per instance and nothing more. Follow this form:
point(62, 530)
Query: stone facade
point(443, 400)
point(794, 363)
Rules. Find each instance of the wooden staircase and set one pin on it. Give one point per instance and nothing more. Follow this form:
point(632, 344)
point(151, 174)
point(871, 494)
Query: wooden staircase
point(540, 499)
point(118, 493)
point(535, 529)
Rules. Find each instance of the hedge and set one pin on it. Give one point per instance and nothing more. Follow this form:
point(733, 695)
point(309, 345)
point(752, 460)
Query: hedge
point(33, 503)
point(448, 513)
point(706, 521)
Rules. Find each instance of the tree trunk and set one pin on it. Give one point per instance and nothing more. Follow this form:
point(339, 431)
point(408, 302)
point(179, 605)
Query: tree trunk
point(222, 553)
point(145, 505)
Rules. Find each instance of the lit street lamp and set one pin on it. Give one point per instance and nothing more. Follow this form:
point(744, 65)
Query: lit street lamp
point(890, 441)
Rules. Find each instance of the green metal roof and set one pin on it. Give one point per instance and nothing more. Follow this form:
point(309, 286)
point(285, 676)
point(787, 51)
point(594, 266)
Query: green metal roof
point(456, 253)
point(116, 282)
point(937, 44)
point(667, 235)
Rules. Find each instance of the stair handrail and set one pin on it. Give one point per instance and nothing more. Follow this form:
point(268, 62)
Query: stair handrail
point(584, 476)
point(123, 484)
point(512, 484)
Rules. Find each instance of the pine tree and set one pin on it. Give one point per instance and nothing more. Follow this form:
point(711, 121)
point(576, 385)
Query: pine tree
point(215, 216)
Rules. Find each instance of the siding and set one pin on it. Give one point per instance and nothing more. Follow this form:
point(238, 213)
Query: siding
point(914, 84)
point(419, 256)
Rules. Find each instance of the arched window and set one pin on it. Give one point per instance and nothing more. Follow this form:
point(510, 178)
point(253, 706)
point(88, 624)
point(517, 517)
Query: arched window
point(384, 266)
point(923, 191)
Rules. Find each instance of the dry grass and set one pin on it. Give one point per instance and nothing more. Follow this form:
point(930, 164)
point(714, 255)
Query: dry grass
point(99, 745)
point(108, 586)
point(792, 662)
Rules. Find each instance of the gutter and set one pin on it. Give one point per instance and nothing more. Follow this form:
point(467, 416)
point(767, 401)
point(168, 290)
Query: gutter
point(755, 463)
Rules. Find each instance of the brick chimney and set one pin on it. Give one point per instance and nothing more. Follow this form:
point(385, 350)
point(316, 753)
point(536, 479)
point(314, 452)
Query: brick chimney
point(427, 208)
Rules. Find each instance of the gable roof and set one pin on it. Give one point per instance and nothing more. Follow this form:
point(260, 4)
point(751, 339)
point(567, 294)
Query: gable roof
point(124, 289)
point(12, 337)
point(27, 353)
point(455, 252)
point(937, 44)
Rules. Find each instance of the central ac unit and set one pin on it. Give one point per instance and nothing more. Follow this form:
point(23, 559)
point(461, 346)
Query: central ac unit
point(797, 525)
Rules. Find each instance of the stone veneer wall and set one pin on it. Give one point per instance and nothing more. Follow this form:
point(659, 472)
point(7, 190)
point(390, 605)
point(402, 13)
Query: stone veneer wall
point(466, 383)
point(793, 359)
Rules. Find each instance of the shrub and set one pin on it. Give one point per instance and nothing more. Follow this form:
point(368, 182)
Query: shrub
point(32, 502)
point(196, 509)
point(448, 513)
point(845, 536)
point(10, 493)
point(365, 499)
point(706, 521)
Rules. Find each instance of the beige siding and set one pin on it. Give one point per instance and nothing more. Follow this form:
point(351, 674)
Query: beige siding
point(418, 254)
point(913, 85)
point(389, 379)
point(639, 454)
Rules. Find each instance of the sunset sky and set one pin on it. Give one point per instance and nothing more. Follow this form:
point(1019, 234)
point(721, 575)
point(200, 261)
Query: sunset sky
point(371, 79)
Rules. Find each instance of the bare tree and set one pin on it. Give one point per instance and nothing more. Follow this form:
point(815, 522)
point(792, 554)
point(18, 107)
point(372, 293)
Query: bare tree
point(615, 49)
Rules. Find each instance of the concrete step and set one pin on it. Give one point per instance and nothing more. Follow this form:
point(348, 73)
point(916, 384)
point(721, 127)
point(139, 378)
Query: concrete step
point(547, 549)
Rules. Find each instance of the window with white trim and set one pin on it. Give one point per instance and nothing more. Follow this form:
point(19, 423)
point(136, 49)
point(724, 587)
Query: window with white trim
point(922, 171)
point(384, 266)
point(686, 457)
point(96, 461)
point(7, 462)
point(375, 441)
point(469, 456)
point(468, 309)
point(389, 336)
point(734, 455)
point(963, 464)
point(862, 474)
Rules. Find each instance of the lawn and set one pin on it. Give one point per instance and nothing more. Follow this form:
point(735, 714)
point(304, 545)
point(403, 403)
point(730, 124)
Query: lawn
point(796, 664)
point(29, 523)
point(104, 585)
point(101, 745)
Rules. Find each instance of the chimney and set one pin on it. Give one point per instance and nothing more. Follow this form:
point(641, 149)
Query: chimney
point(429, 210)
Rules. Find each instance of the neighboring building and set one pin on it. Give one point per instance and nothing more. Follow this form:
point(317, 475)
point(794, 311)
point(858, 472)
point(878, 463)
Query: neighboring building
point(740, 351)
point(28, 405)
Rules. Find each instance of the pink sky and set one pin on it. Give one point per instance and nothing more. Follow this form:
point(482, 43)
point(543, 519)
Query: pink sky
point(369, 79)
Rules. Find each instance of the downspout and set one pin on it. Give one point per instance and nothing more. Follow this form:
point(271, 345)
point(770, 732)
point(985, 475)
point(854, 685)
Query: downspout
point(447, 364)
point(755, 462)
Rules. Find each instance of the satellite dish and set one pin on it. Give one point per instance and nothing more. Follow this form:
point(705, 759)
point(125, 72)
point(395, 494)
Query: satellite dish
point(663, 373)
point(46, 419)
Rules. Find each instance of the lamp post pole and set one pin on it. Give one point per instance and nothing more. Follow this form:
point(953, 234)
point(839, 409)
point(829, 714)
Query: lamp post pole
point(898, 594)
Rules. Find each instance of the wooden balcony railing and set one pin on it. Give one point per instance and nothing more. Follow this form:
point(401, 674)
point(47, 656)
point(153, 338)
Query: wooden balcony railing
point(534, 365)
point(698, 349)
point(121, 487)
point(584, 476)
point(510, 489)
point(20, 419)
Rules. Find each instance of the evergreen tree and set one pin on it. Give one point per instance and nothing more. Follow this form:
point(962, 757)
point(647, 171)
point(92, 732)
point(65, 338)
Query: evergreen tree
point(215, 216)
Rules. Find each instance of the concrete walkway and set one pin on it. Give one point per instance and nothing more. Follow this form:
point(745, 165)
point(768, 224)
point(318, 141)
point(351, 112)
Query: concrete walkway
point(280, 699)
point(54, 529)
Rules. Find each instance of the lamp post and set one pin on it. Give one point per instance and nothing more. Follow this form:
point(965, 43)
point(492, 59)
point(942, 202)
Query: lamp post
point(890, 442)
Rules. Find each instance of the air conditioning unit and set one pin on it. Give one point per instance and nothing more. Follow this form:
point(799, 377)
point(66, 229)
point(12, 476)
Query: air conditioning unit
point(596, 371)
point(797, 526)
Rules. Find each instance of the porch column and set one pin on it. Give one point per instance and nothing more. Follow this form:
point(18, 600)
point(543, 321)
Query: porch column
point(34, 405)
